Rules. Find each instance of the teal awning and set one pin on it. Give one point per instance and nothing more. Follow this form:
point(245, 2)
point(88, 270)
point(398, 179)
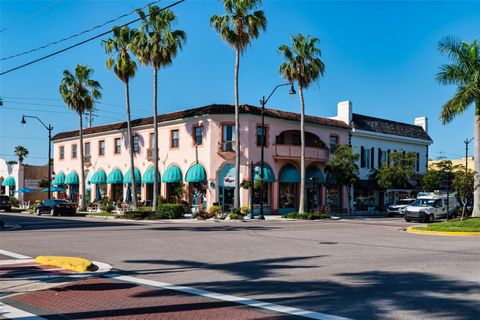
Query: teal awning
point(331, 179)
point(115, 176)
point(148, 176)
point(59, 179)
point(9, 182)
point(227, 176)
point(196, 173)
point(172, 175)
point(99, 177)
point(72, 178)
point(128, 176)
point(268, 175)
point(314, 172)
point(289, 174)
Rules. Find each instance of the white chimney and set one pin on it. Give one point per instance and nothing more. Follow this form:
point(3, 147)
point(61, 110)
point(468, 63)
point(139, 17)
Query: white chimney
point(422, 122)
point(344, 111)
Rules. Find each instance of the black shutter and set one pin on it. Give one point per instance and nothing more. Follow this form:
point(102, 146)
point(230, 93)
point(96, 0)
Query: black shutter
point(418, 162)
point(379, 158)
point(372, 158)
point(362, 158)
point(388, 158)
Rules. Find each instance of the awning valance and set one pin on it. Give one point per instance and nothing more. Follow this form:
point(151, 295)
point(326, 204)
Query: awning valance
point(9, 182)
point(99, 177)
point(59, 179)
point(289, 174)
point(268, 175)
point(128, 176)
point(148, 176)
point(196, 173)
point(115, 176)
point(72, 178)
point(314, 172)
point(173, 174)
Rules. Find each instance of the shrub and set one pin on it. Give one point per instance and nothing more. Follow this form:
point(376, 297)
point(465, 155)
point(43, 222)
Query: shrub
point(170, 211)
point(214, 209)
point(14, 201)
point(135, 215)
point(244, 209)
point(233, 216)
point(245, 184)
point(235, 211)
point(202, 215)
point(257, 183)
point(306, 216)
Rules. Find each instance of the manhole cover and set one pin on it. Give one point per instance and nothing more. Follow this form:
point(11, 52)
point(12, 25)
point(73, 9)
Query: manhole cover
point(327, 242)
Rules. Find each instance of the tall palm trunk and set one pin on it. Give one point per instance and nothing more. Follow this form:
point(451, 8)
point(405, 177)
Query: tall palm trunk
point(82, 198)
point(155, 138)
point(301, 207)
point(130, 144)
point(237, 133)
point(476, 161)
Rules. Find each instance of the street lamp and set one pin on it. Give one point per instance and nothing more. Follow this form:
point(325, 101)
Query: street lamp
point(49, 128)
point(263, 102)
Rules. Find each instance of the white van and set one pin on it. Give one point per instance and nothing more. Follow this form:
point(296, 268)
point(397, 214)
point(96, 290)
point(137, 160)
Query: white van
point(430, 206)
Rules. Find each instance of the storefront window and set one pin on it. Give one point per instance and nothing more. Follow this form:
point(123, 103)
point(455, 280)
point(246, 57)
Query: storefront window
point(333, 197)
point(174, 192)
point(198, 193)
point(266, 195)
point(364, 199)
point(288, 194)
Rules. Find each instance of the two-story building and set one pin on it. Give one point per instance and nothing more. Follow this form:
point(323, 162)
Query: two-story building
point(374, 139)
point(196, 158)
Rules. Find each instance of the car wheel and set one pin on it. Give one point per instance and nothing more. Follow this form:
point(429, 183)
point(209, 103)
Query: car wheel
point(430, 218)
point(37, 212)
point(408, 220)
point(52, 212)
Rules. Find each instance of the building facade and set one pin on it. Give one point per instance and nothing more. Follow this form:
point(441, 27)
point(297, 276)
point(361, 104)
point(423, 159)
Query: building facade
point(14, 176)
point(374, 139)
point(196, 159)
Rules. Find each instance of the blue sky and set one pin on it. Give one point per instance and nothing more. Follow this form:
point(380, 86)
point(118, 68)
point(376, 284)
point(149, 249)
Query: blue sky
point(380, 55)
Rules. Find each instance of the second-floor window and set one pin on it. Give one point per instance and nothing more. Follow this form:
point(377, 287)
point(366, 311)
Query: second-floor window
point(228, 137)
point(365, 158)
point(175, 137)
point(198, 132)
point(136, 146)
point(74, 151)
point(118, 146)
point(62, 152)
point(333, 143)
point(259, 136)
point(296, 139)
point(87, 151)
point(382, 158)
point(101, 148)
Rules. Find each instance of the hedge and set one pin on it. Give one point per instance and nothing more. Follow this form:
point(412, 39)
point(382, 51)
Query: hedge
point(170, 211)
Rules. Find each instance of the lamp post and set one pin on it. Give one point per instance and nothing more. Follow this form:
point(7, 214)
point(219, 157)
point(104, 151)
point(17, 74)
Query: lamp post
point(49, 128)
point(263, 102)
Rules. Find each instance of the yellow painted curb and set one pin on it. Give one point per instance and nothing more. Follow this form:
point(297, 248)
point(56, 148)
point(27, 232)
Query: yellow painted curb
point(442, 233)
point(70, 263)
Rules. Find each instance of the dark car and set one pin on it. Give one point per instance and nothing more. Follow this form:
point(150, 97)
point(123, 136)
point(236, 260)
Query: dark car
point(5, 203)
point(55, 207)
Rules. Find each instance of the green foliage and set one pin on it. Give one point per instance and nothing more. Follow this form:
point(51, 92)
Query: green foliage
point(118, 48)
point(171, 211)
point(21, 152)
point(245, 184)
point(467, 225)
point(302, 60)
point(136, 215)
point(240, 23)
point(397, 172)
point(432, 180)
point(106, 205)
point(236, 211)
point(464, 184)
point(14, 201)
point(244, 209)
point(306, 216)
point(257, 184)
point(343, 165)
point(233, 216)
point(214, 209)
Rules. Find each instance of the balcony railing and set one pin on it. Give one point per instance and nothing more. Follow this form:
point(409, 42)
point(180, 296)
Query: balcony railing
point(288, 151)
point(87, 159)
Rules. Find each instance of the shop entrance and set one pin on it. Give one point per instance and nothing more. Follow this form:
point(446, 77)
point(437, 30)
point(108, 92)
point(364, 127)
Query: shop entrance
point(226, 197)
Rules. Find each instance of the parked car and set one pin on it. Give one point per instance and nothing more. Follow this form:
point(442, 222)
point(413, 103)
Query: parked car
point(55, 207)
point(399, 207)
point(429, 207)
point(5, 203)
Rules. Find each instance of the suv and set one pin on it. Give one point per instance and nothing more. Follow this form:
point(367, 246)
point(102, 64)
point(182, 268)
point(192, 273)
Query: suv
point(55, 207)
point(431, 206)
point(5, 203)
point(399, 207)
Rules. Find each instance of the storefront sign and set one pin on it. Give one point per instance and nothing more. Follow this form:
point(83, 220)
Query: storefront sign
point(229, 182)
point(32, 183)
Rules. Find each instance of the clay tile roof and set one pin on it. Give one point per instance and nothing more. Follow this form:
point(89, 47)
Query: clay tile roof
point(203, 111)
point(384, 126)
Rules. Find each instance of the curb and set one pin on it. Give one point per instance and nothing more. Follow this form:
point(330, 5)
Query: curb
point(441, 233)
point(69, 263)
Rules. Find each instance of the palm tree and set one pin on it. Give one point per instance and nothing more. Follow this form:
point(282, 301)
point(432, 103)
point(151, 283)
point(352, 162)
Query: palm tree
point(80, 92)
point(124, 68)
point(21, 152)
point(156, 45)
point(464, 72)
point(238, 26)
point(303, 65)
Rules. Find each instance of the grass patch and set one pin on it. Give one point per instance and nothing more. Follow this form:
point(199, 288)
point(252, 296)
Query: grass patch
point(102, 214)
point(306, 216)
point(467, 225)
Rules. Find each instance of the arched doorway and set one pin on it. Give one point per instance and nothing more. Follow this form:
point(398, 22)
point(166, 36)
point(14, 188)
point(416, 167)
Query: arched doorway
point(226, 186)
point(314, 182)
point(288, 189)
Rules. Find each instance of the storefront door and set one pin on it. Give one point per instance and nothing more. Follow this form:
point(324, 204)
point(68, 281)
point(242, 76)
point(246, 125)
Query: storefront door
point(226, 197)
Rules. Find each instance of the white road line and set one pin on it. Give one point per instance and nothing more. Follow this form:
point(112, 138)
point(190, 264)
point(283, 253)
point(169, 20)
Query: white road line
point(7, 262)
point(10, 312)
point(229, 298)
point(13, 254)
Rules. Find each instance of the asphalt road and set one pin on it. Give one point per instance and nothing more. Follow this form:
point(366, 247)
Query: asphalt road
point(360, 269)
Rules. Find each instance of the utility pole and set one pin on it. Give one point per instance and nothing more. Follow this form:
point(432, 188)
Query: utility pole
point(467, 142)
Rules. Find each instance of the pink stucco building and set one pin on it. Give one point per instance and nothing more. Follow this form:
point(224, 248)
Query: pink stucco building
point(196, 155)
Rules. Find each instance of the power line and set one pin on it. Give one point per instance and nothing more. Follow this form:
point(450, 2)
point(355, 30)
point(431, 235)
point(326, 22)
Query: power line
point(81, 42)
point(23, 138)
point(75, 35)
point(50, 111)
point(30, 16)
point(29, 156)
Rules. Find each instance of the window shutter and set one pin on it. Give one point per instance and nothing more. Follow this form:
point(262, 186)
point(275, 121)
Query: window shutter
point(388, 158)
point(418, 162)
point(362, 157)
point(379, 158)
point(372, 158)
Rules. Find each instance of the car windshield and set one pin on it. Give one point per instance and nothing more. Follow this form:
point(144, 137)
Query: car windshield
point(60, 201)
point(424, 202)
point(404, 202)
